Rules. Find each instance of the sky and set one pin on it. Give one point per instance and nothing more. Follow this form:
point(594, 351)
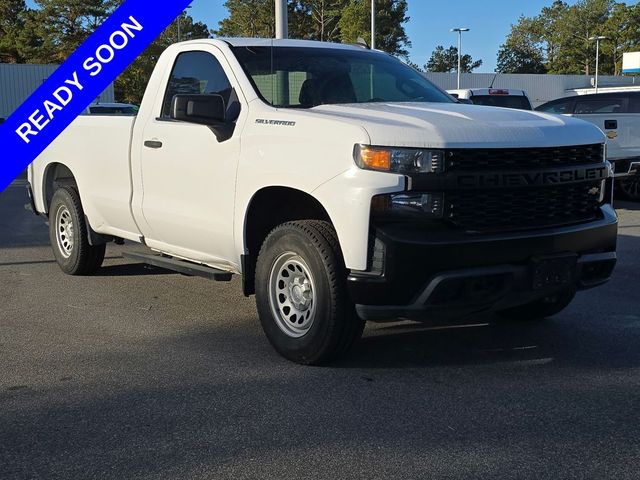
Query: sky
point(489, 20)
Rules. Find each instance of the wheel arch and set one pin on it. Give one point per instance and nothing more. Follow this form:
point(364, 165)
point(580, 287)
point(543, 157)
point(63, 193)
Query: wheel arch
point(56, 175)
point(268, 208)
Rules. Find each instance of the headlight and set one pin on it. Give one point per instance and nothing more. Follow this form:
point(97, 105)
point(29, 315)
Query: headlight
point(399, 160)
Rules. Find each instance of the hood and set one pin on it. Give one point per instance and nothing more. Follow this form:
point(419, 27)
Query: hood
point(453, 125)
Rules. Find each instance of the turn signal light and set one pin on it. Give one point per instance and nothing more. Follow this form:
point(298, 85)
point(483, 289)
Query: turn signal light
point(376, 159)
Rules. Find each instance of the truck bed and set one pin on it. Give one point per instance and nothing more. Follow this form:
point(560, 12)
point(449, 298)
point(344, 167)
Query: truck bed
point(97, 151)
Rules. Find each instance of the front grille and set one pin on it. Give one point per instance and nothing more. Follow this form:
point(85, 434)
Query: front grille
point(488, 211)
point(465, 160)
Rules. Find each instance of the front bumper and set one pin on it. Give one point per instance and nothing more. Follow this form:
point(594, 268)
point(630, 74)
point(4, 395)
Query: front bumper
point(428, 273)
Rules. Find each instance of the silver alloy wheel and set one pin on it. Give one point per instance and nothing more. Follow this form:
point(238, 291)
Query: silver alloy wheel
point(64, 231)
point(291, 294)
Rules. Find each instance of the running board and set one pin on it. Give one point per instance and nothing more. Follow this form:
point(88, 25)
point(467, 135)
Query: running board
point(180, 266)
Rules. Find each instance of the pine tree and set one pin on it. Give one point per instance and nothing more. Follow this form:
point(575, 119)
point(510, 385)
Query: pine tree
point(13, 15)
point(391, 15)
point(446, 60)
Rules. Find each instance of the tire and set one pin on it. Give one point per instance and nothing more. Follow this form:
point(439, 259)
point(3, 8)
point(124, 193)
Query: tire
point(539, 309)
point(301, 294)
point(68, 235)
point(629, 187)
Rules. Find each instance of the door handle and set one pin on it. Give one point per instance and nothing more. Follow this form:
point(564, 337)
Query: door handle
point(610, 124)
point(153, 144)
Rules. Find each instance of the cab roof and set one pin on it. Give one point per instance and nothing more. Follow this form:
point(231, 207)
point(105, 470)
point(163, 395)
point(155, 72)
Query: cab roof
point(263, 42)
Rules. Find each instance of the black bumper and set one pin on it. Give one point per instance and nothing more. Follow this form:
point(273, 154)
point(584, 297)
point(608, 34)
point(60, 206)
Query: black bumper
point(427, 272)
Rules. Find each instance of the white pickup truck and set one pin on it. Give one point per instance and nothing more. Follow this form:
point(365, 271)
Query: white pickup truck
point(341, 185)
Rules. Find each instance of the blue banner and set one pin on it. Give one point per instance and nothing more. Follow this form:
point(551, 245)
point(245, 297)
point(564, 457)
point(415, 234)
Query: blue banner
point(80, 80)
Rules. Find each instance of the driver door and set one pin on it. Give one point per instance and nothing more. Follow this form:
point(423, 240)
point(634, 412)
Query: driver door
point(188, 176)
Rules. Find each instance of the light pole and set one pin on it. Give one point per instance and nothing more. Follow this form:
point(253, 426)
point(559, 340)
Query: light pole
point(597, 40)
point(373, 24)
point(459, 30)
point(282, 21)
point(179, 26)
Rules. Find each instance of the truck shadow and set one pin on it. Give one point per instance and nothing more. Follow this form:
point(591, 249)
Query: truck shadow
point(130, 270)
point(568, 339)
point(601, 327)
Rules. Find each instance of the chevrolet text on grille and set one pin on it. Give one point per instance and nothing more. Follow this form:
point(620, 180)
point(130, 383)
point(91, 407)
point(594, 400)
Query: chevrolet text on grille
point(531, 179)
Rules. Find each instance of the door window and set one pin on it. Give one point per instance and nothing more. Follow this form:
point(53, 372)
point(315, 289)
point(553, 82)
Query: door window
point(599, 105)
point(557, 107)
point(196, 73)
point(634, 104)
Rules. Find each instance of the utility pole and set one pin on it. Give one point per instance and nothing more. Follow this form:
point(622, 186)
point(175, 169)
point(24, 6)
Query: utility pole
point(282, 21)
point(459, 30)
point(281, 90)
point(597, 40)
point(373, 24)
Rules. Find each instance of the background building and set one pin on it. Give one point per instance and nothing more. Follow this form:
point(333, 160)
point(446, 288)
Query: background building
point(540, 88)
point(18, 81)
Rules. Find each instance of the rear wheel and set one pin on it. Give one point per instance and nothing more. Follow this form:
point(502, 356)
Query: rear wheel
point(540, 309)
point(301, 293)
point(68, 235)
point(630, 187)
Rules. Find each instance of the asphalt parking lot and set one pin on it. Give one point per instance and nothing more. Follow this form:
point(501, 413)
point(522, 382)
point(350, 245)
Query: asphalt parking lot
point(141, 373)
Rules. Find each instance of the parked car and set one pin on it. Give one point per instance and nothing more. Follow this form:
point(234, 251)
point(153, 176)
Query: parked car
point(341, 184)
point(494, 97)
point(618, 116)
point(112, 109)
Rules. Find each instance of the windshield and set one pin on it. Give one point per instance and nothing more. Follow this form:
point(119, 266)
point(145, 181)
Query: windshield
point(298, 77)
point(507, 101)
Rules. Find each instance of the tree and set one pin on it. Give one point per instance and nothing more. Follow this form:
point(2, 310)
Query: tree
point(447, 61)
point(63, 25)
point(521, 53)
point(559, 38)
point(391, 15)
point(519, 59)
point(322, 17)
point(12, 20)
point(622, 30)
point(324, 20)
point(248, 18)
point(256, 18)
point(581, 22)
point(51, 33)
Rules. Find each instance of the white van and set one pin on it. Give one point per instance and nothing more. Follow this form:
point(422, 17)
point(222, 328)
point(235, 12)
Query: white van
point(494, 97)
point(617, 114)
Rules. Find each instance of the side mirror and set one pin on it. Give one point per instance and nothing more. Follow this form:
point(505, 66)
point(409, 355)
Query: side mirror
point(201, 109)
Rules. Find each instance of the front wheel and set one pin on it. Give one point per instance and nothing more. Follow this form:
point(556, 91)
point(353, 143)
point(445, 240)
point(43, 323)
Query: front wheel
point(630, 187)
point(301, 293)
point(540, 309)
point(68, 235)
